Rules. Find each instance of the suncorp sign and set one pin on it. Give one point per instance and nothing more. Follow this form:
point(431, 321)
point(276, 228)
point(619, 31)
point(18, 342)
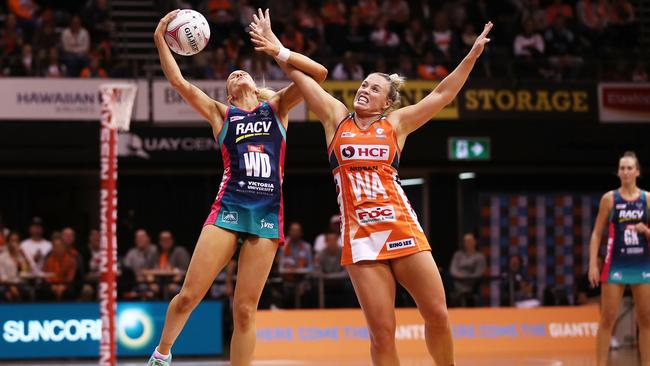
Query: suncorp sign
point(55, 330)
point(74, 330)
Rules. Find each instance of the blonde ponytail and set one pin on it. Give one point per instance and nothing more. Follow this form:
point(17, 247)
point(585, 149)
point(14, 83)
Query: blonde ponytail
point(264, 94)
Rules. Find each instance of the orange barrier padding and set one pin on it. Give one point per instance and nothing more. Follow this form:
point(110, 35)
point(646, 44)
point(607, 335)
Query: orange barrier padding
point(300, 334)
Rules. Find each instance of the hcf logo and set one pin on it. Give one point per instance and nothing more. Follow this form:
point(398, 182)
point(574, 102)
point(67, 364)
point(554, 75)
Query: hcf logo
point(135, 328)
point(365, 152)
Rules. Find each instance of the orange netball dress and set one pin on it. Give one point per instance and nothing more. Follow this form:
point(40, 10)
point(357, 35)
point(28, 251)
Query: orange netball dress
point(377, 221)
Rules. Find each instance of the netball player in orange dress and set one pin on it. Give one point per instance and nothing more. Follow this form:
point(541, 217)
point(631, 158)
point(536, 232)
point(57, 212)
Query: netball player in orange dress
point(383, 241)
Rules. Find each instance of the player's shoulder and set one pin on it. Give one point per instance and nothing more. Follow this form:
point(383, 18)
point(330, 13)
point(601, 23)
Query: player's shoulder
point(273, 100)
point(645, 194)
point(607, 199)
point(222, 108)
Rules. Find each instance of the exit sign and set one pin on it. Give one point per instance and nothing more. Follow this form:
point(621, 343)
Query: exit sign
point(469, 148)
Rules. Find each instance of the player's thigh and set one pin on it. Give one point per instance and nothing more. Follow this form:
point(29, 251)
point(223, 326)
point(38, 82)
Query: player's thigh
point(610, 302)
point(213, 251)
point(255, 261)
point(419, 275)
point(374, 285)
point(641, 294)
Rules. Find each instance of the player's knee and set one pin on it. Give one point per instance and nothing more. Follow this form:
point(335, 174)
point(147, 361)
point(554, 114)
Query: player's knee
point(187, 300)
point(643, 318)
point(607, 320)
point(383, 336)
point(244, 313)
point(436, 316)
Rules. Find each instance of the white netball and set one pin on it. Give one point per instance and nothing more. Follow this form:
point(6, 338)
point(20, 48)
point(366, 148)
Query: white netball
point(188, 33)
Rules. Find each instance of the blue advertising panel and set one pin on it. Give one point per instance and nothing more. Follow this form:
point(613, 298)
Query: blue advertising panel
point(74, 330)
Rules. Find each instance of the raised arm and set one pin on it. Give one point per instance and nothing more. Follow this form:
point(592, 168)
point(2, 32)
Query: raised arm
point(266, 41)
point(605, 207)
point(207, 107)
point(409, 119)
point(329, 110)
point(261, 28)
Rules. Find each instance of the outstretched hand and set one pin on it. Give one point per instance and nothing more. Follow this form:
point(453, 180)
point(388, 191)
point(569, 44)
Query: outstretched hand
point(263, 44)
point(164, 22)
point(262, 22)
point(480, 42)
point(262, 25)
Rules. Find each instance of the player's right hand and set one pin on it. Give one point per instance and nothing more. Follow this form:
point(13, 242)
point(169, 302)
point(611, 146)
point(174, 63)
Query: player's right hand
point(594, 276)
point(262, 23)
point(263, 44)
point(162, 24)
point(481, 41)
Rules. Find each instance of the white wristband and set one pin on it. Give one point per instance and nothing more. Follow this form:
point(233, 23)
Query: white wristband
point(284, 54)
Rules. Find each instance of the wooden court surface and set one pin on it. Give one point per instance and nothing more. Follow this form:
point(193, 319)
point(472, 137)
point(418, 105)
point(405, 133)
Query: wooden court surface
point(623, 357)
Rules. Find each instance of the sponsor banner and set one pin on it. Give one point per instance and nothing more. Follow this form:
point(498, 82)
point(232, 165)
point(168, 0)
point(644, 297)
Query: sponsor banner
point(411, 93)
point(30, 331)
point(183, 144)
point(71, 99)
point(490, 100)
point(316, 334)
point(624, 102)
point(169, 107)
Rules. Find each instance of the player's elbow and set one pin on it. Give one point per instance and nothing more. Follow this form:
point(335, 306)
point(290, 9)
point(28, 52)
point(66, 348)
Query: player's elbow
point(445, 98)
point(178, 83)
point(321, 75)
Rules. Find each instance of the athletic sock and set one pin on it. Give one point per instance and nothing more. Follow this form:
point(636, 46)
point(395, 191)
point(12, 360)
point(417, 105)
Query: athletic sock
point(159, 356)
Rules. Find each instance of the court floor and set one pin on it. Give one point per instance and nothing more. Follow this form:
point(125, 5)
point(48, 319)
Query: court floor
point(623, 357)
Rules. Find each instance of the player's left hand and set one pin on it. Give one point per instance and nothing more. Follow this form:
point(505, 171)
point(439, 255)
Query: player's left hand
point(642, 228)
point(480, 42)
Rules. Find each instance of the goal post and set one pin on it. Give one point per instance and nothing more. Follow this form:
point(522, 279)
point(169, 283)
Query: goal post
point(116, 106)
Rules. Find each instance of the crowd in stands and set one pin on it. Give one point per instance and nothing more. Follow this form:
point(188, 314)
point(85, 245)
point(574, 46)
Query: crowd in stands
point(36, 268)
point(303, 275)
point(538, 39)
point(424, 39)
point(56, 39)
point(60, 269)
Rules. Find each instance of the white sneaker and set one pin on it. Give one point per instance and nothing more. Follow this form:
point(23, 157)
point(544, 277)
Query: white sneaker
point(158, 362)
